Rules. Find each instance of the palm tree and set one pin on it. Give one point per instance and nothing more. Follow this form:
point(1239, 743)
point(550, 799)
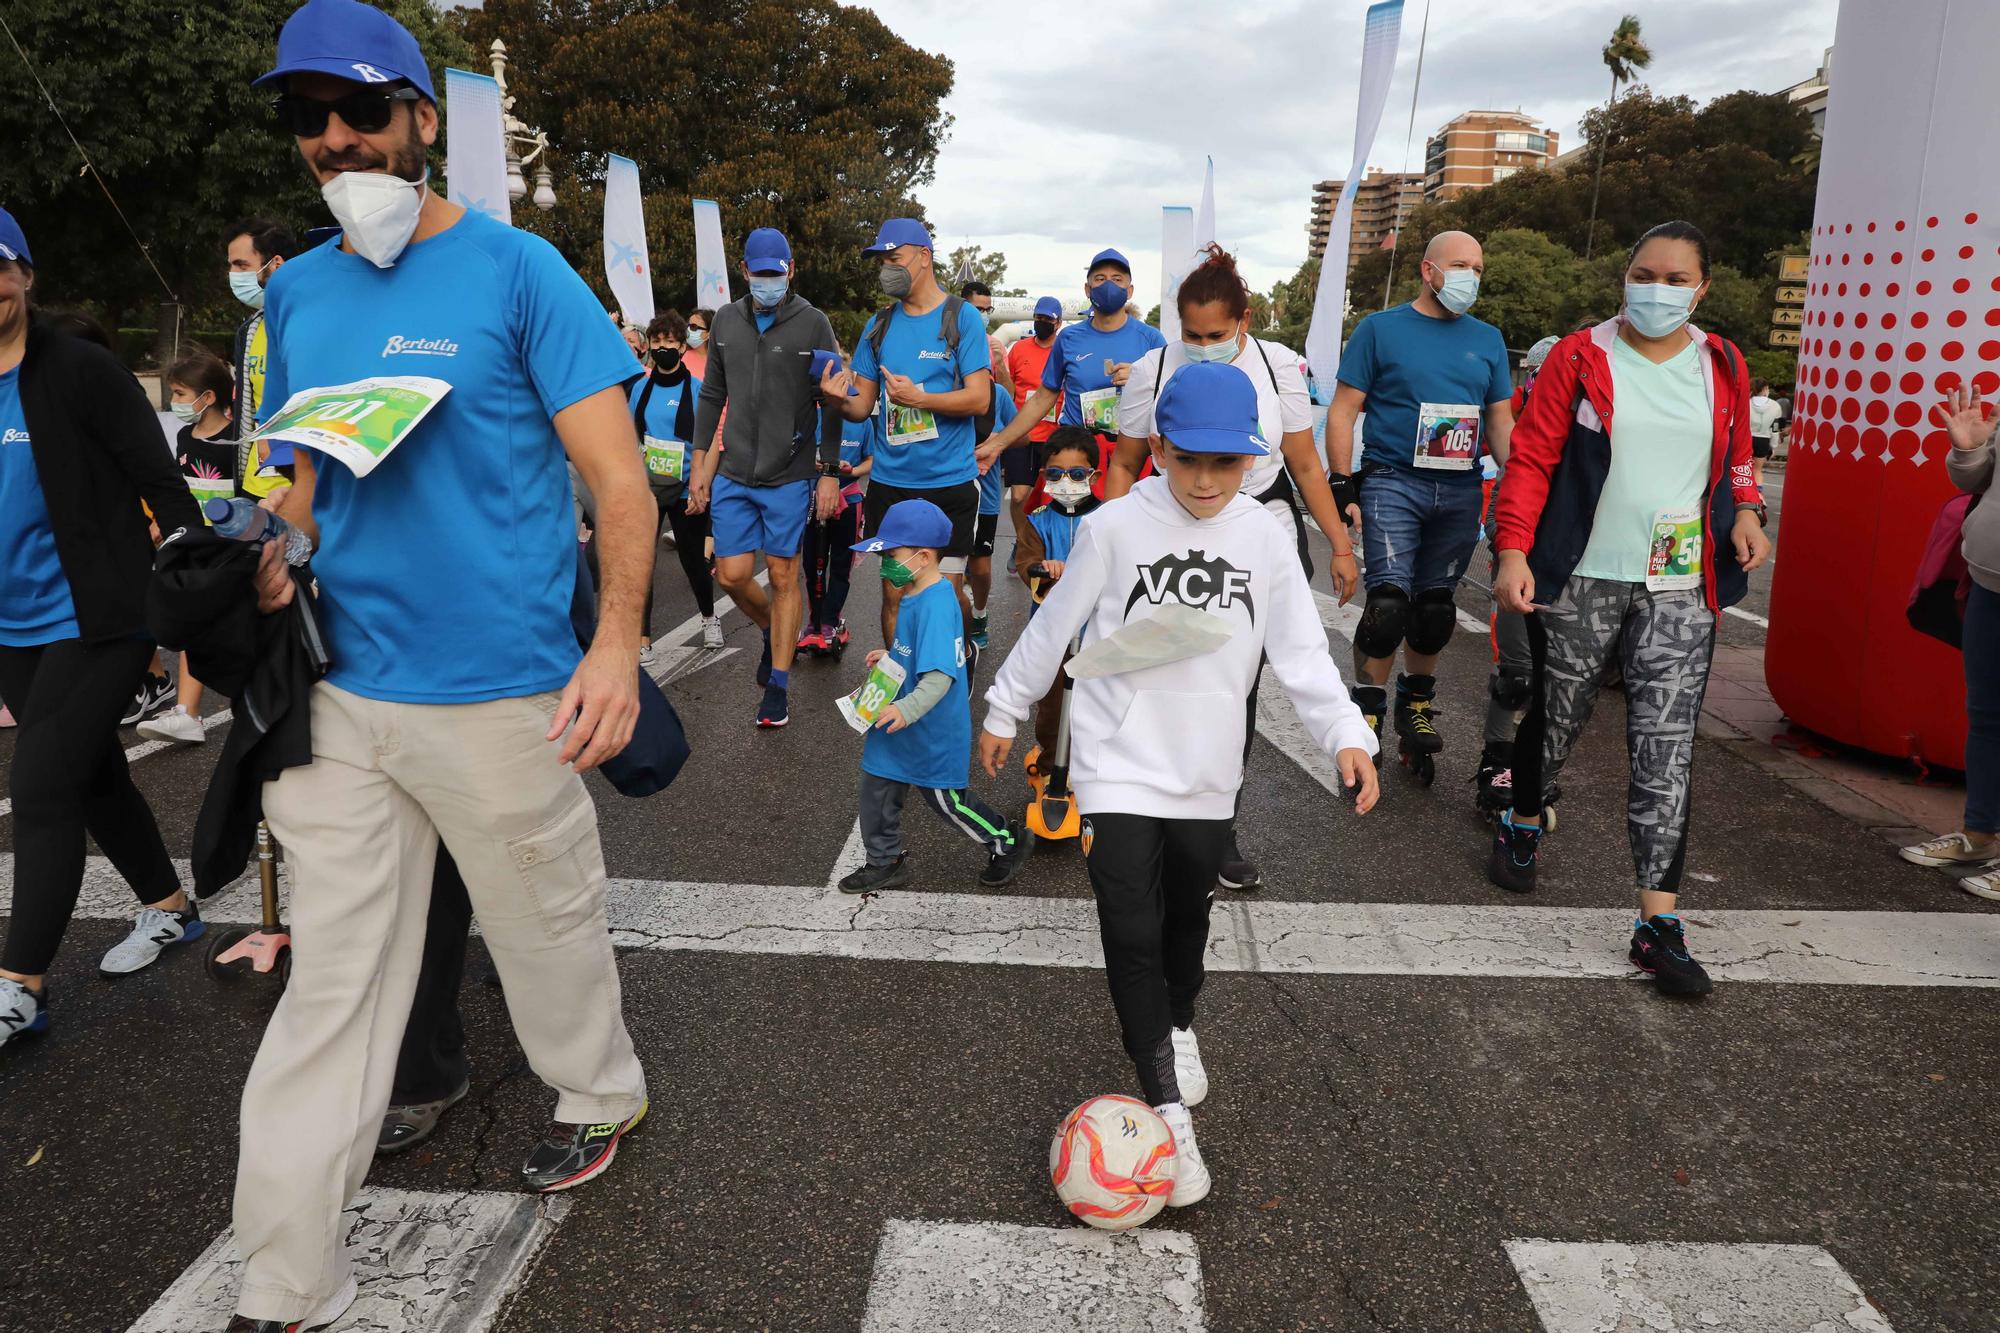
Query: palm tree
point(1624, 54)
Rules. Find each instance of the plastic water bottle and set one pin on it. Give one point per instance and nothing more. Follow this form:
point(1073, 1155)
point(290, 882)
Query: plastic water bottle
point(241, 520)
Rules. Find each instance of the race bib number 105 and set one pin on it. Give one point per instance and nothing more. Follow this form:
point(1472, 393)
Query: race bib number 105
point(1447, 436)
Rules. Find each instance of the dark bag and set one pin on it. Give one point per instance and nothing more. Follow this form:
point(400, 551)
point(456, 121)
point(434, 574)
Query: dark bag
point(654, 756)
point(1943, 582)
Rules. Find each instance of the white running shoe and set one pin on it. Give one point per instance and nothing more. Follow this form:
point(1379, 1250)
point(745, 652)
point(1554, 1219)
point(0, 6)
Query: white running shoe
point(1188, 1069)
point(1191, 1180)
point(153, 933)
point(178, 726)
point(1985, 886)
point(21, 1011)
point(1953, 849)
point(711, 632)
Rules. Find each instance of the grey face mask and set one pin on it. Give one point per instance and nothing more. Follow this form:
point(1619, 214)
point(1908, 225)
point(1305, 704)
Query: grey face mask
point(895, 280)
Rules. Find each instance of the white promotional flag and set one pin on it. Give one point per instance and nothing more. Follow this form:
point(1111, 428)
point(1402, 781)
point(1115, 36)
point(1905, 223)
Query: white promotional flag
point(711, 265)
point(625, 266)
point(1176, 259)
point(1204, 217)
point(475, 151)
point(1378, 66)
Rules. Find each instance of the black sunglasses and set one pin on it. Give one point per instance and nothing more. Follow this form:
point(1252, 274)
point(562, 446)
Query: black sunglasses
point(1073, 473)
point(366, 111)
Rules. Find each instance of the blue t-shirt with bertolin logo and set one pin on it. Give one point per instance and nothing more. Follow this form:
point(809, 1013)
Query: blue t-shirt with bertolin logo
point(1078, 362)
point(35, 605)
point(446, 574)
point(1429, 382)
point(935, 750)
point(918, 449)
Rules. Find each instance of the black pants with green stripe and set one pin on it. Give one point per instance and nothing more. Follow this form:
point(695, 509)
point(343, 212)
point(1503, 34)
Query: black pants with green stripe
point(882, 818)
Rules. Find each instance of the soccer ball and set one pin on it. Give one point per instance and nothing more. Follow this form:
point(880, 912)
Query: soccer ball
point(1113, 1162)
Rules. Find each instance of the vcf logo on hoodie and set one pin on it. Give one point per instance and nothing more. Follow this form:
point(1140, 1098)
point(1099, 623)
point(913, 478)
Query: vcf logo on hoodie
point(1196, 580)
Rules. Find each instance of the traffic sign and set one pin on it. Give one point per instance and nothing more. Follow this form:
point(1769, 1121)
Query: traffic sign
point(1788, 317)
point(1786, 337)
point(1791, 296)
point(1794, 268)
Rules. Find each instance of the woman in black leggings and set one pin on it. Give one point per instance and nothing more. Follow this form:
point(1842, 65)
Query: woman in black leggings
point(79, 449)
point(663, 411)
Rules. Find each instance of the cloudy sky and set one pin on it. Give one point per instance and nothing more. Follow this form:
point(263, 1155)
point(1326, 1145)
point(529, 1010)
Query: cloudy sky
point(1077, 143)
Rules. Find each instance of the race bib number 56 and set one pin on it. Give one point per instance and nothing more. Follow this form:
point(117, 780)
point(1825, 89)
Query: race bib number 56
point(1674, 556)
point(1447, 436)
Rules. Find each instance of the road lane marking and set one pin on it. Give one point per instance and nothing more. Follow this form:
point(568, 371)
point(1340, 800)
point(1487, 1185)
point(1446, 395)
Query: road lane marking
point(991, 1277)
point(1378, 939)
point(1672, 1286)
point(439, 1263)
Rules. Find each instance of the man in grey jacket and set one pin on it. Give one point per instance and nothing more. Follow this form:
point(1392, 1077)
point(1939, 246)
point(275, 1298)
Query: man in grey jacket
point(759, 487)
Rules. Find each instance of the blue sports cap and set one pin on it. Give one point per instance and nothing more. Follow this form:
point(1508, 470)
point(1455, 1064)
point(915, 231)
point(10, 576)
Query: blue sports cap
point(349, 40)
point(1048, 305)
point(13, 241)
point(900, 231)
point(1108, 256)
point(1210, 407)
point(766, 250)
point(913, 523)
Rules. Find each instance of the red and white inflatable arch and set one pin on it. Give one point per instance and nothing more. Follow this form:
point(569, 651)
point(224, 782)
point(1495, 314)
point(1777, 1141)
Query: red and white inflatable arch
point(1903, 305)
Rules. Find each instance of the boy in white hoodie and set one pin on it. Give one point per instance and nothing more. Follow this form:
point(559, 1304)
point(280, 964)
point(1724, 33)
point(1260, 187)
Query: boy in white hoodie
point(1156, 752)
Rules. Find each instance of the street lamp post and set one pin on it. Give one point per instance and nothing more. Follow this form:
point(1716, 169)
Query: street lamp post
point(518, 136)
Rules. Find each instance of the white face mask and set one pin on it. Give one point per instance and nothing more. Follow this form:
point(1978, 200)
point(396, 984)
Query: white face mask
point(1068, 493)
point(377, 213)
point(246, 288)
point(186, 413)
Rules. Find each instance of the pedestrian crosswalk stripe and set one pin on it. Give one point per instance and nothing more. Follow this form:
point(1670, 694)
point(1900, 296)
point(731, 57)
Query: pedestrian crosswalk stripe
point(423, 1261)
point(1672, 1286)
point(1270, 936)
point(991, 1277)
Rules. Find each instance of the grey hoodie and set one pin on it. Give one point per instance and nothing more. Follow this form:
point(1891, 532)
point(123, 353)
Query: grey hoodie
point(766, 381)
point(1971, 471)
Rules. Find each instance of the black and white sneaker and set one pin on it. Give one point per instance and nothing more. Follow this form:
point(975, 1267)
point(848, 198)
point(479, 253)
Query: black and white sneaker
point(22, 1011)
point(1659, 946)
point(412, 1124)
point(1239, 874)
point(1003, 868)
point(874, 879)
point(156, 693)
point(570, 1154)
point(155, 931)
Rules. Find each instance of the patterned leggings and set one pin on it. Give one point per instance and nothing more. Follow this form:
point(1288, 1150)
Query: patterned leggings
point(1666, 641)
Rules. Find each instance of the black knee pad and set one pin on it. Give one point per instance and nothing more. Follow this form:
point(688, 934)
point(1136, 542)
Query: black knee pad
point(1510, 690)
point(1433, 616)
point(1384, 617)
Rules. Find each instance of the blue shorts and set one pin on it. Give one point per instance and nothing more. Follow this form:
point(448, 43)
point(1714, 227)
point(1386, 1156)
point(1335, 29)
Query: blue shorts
point(748, 519)
point(1417, 533)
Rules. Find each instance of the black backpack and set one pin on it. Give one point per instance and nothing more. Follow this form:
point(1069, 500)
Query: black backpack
point(982, 422)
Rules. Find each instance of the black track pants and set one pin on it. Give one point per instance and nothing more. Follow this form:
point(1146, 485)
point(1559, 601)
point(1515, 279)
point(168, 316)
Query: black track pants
point(1154, 879)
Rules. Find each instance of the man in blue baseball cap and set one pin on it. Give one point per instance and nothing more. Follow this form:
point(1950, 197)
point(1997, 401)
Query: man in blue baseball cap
point(780, 461)
point(924, 364)
point(459, 707)
point(919, 727)
point(1156, 754)
point(1088, 362)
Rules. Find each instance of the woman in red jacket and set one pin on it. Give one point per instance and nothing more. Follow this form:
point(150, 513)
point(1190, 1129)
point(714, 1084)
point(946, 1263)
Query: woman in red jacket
point(1629, 533)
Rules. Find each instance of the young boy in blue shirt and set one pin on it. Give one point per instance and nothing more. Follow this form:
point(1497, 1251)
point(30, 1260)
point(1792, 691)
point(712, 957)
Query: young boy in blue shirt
point(923, 737)
point(1042, 542)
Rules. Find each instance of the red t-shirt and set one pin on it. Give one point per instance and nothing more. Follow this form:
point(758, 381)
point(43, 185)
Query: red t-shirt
point(1025, 360)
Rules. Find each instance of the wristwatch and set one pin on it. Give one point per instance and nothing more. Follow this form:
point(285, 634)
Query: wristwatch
point(1762, 512)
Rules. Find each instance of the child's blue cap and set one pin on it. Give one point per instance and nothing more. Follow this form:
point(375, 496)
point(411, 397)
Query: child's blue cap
point(1210, 407)
point(911, 523)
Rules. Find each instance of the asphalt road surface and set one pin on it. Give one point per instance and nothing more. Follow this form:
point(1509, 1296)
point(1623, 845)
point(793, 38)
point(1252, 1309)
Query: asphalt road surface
point(1452, 1110)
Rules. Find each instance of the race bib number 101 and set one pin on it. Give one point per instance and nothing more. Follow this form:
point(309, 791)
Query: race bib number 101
point(1448, 436)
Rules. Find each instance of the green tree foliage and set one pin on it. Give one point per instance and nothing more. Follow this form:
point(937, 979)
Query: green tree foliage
point(805, 115)
point(158, 92)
